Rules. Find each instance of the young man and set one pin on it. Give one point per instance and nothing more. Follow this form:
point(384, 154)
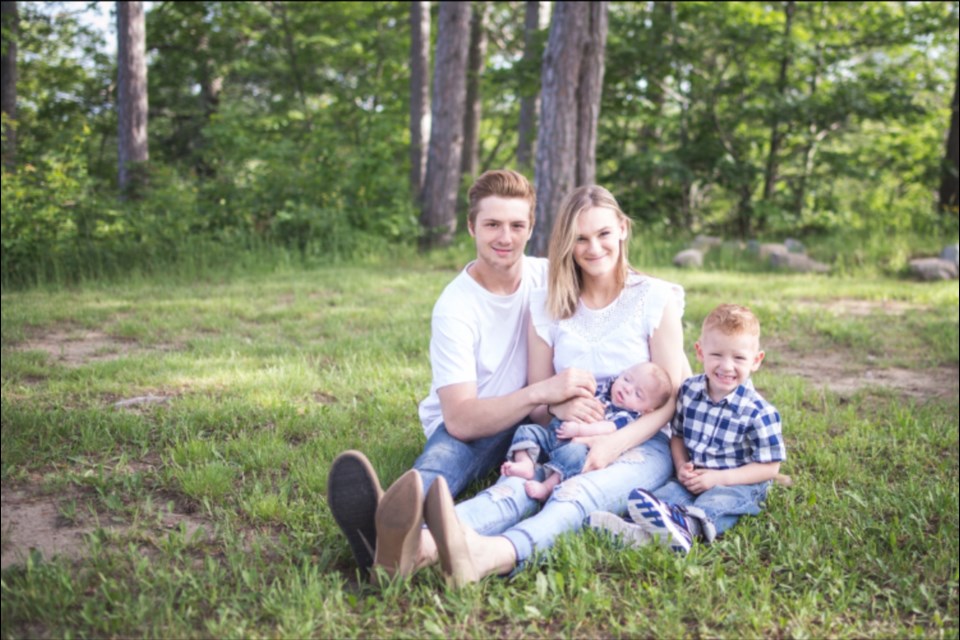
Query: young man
point(478, 356)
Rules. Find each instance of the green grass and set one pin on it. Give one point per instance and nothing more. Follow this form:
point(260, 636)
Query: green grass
point(205, 514)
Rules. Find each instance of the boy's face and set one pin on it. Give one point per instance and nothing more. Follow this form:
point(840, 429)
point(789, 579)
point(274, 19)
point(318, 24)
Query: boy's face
point(728, 360)
point(501, 231)
point(635, 391)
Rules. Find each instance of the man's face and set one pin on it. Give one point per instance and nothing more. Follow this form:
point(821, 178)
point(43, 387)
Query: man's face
point(501, 231)
point(728, 360)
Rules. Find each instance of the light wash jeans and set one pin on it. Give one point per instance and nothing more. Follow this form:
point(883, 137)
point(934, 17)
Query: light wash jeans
point(722, 505)
point(566, 457)
point(459, 462)
point(504, 508)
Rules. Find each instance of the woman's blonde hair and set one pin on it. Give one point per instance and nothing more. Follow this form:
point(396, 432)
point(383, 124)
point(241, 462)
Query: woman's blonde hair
point(566, 280)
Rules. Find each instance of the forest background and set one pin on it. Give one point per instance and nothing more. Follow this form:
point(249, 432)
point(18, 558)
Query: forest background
point(296, 127)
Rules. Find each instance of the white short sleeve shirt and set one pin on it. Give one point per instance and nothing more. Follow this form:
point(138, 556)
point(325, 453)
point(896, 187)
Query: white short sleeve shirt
point(477, 336)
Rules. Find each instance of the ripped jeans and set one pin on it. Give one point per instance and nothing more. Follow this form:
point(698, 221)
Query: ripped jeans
point(504, 508)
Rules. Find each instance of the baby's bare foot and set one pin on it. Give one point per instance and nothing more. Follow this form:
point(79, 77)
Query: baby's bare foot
point(523, 469)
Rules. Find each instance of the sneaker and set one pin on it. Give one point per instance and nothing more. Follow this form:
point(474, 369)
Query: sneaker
point(353, 494)
point(666, 523)
point(624, 529)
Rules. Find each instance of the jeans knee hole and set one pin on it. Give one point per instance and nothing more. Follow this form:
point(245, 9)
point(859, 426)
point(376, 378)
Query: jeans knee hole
point(633, 456)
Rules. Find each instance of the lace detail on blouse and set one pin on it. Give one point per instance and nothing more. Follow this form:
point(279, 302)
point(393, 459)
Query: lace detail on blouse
point(593, 325)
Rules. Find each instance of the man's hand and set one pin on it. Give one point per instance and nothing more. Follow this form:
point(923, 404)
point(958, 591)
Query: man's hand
point(582, 409)
point(568, 384)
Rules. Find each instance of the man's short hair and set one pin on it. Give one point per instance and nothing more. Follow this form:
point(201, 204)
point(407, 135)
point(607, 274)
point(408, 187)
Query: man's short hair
point(502, 183)
point(732, 319)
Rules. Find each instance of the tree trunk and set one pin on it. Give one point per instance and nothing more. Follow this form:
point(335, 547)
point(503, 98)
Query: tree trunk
point(132, 96)
point(211, 84)
point(810, 148)
point(475, 61)
point(11, 30)
point(556, 164)
point(949, 186)
point(419, 91)
point(438, 215)
point(772, 169)
point(295, 74)
point(590, 90)
point(529, 105)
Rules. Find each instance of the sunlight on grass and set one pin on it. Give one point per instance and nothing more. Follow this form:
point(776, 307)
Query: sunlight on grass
point(263, 379)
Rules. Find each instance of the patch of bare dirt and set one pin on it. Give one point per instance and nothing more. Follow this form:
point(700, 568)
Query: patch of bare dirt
point(836, 371)
point(77, 348)
point(850, 307)
point(32, 521)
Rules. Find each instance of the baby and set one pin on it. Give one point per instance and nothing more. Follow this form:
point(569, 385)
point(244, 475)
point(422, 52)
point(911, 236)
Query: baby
point(640, 389)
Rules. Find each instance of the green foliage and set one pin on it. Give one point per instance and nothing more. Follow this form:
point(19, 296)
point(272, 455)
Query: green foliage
point(283, 128)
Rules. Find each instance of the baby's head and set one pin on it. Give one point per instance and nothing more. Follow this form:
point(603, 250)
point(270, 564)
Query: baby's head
point(729, 348)
point(643, 387)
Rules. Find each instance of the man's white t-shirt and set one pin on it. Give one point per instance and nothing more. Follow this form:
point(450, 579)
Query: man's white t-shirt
point(477, 336)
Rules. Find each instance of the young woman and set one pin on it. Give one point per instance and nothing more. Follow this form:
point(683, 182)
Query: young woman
point(600, 315)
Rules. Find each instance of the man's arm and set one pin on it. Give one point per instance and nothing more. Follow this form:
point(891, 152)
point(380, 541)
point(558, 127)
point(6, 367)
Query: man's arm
point(468, 417)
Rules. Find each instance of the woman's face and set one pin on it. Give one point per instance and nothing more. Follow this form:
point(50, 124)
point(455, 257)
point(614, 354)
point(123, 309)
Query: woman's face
point(597, 247)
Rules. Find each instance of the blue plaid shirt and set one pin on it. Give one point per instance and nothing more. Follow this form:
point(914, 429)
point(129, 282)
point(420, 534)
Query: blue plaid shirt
point(741, 428)
point(617, 415)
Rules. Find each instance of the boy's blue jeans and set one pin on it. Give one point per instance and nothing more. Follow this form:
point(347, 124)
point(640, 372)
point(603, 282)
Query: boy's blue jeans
point(722, 505)
point(460, 462)
point(563, 456)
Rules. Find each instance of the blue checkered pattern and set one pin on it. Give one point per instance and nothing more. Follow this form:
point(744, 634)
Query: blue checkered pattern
point(617, 415)
point(741, 428)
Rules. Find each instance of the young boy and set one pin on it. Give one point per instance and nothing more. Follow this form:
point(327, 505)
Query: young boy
point(640, 389)
point(727, 444)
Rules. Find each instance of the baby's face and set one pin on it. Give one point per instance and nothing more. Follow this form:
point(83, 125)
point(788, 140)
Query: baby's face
point(634, 390)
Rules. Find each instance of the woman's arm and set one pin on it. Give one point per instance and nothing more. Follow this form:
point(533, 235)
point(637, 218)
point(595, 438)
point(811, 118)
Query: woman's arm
point(666, 350)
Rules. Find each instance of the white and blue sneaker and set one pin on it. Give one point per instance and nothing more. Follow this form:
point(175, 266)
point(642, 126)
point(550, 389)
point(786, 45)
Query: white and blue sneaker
point(628, 533)
point(666, 523)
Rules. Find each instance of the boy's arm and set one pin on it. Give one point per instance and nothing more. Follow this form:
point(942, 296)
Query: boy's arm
point(750, 473)
point(678, 450)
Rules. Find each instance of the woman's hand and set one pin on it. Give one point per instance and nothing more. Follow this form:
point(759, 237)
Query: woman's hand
point(603, 451)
